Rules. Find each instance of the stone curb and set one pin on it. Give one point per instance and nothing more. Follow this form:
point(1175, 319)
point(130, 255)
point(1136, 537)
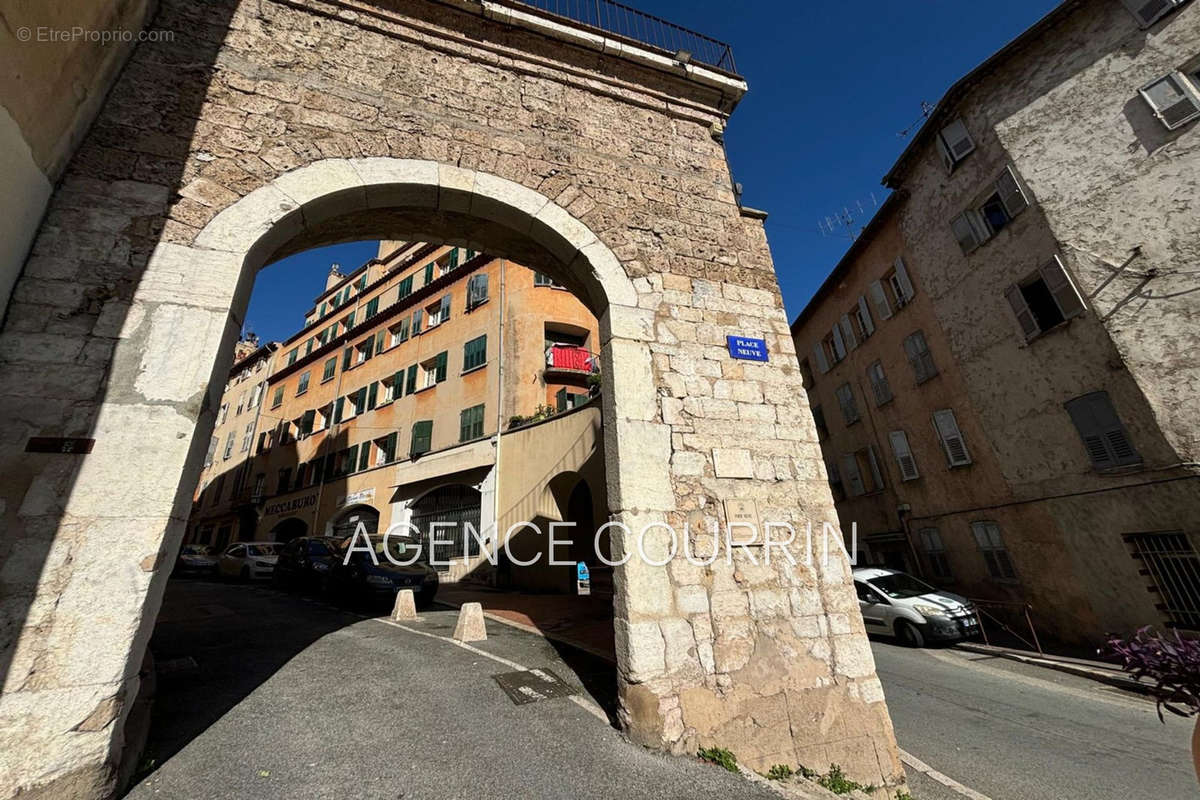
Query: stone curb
point(609, 657)
point(1099, 674)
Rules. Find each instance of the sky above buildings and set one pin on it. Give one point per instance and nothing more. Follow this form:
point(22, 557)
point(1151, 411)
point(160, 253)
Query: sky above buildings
point(832, 86)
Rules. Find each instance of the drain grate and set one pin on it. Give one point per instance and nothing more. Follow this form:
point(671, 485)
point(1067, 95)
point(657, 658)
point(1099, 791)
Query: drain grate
point(532, 685)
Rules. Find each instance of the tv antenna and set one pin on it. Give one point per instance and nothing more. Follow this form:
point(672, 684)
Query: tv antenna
point(926, 110)
point(849, 222)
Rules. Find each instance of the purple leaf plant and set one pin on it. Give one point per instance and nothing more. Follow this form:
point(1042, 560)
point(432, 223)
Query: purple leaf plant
point(1171, 662)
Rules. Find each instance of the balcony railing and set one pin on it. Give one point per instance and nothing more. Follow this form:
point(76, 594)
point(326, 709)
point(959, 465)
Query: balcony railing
point(625, 22)
point(571, 359)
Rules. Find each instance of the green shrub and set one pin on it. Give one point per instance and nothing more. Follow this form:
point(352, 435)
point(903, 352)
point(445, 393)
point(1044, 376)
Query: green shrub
point(837, 782)
point(719, 756)
point(779, 772)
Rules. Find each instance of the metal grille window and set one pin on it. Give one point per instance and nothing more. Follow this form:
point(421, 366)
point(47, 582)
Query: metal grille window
point(935, 552)
point(443, 514)
point(917, 350)
point(1173, 566)
point(470, 423)
point(995, 554)
point(845, 398)
point(475, 353)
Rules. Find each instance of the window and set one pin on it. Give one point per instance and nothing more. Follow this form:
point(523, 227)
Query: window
point(364, 456)
point(835, 345)
point(330, 369)
point(1104, 437)
point(1171, 563)
point(477, 290)
point(240, 405)
point(302, 384)
point(904, 456)
point(835, 480)
point(995, 555)
point(385, 449)
point(212, 451)
point(405, 287)
point(428, 274)
point(542, 279)
point(416, 321)
point(291, 357)
point(819, 357)
point(1173, 99)
point(564, 400)
point(410, 380)
point(1044, 300)
point(348, 322)
point(389, 386)
point(362, 282)
point(372, 308)
point(347, 358)
point(1147, 12)
point(985, 219)
point(228, 446)
point(285, 480)
point(862, 315)
point(364, 350)
point(433, 371)
point(422, 438)
point(438, 312)
point(935, 553)
point(322, 417)
point(845, 398)
point(945, 424)
point(399, 332)
point(470, 425)
point(860, 472)
point(218, 489)
point(954, 143)
point(304, 424)
point(917, 350)
point(879, 384)
point(256, 395)
point(247, 437)
point(848, 336)
point(225, 411)
point(475, 353)
point(900, 284)
point(819, 419)
point(883, 306)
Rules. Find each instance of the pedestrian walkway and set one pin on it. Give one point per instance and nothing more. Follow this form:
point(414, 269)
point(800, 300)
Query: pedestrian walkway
point(580, 621)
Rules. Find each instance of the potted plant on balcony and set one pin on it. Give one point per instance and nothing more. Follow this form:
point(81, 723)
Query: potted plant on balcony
point(1173, 664)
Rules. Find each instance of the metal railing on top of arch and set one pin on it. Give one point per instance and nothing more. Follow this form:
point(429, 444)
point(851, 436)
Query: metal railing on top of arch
point(629, 23)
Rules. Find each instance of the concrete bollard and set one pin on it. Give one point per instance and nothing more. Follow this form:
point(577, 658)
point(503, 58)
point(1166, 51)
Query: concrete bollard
point(470, 627)
point(405, 606)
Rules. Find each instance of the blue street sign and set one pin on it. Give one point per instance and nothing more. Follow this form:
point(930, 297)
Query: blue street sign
point(747, 348)
point(582, 571)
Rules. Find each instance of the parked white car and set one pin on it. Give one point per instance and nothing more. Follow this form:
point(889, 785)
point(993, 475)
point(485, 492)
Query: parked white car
point(247, 560)
point(897, 604)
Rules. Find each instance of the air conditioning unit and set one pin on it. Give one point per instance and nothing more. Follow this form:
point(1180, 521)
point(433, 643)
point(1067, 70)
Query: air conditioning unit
point(1147, 12)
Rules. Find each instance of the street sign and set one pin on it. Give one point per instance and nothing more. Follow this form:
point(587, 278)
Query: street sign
point(583, 579)
point(747, 348)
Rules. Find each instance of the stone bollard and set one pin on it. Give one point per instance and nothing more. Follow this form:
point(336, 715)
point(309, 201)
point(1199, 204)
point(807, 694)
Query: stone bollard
point(470, 627)
point(405, 606)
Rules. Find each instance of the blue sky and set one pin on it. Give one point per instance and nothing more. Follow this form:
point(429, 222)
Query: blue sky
point(831, 86)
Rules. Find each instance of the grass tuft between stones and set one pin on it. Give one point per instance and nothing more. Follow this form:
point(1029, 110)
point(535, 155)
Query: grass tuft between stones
point(719, 756)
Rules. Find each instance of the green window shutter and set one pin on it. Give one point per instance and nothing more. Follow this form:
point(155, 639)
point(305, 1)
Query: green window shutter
point(314, 469)
point(371, 395)
point(441, 366)
point(470, 423)
point(347, 357)
point(362, 282)
point(330, 466)
point(351, 459)
point(469, 255)
point(324, 306)
point(404, 323)
point(428, 273)
point(416, 324)
point(475, 353)
point(278, 399)
point(368, 348)
point(372, 307)
point(338, 408)
point(350, 320)
point(364, 456)
point(389, 447)
point(464, 425)
point(560, 400)
point(405, 287)
point(445, 311)
point(330, 369)
point(410, 382)
point(346, 295)
point(422, 437)
point(398, 385)
point(380, 341)
point(454, 258)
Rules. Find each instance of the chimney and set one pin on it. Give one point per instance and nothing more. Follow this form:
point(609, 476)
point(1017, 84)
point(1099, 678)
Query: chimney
point(335, 276)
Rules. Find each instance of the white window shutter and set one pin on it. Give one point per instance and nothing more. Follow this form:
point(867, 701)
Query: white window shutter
point(957, 140)
point(1070, 302)
point(1147, 12)
point(839, 346)
point(864, 316)
point(1020, 308)
point(944, 152)
point(876, 474)
point(851, 477)
point(819, 357)
point(903, 279)
point(880, 300)
point(848, 332)
point(964, 232)
point(951, 437)
point(1011, 193)
point(904, 456)
point(1172, 100)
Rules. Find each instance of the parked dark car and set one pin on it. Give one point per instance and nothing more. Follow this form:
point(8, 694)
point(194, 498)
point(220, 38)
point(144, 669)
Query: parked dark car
point(364, 579)
point(196, 559)
point(305, 562)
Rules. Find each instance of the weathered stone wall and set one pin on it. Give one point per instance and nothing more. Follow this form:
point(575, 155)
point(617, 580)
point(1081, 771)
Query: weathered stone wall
point(244, 140)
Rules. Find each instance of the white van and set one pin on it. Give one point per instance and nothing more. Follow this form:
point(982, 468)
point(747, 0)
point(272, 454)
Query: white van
point(897, 604)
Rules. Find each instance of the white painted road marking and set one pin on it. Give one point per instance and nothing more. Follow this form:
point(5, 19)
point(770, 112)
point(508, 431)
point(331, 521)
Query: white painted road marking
point(945, 780)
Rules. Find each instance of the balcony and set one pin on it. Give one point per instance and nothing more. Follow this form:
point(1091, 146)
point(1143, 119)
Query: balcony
point(624, 22)
point(570, 364)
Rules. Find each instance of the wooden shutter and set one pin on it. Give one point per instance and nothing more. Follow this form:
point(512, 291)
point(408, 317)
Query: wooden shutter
point(1172, 100)
point(368, 348)
point(1020, 309)
point(338, 409)
point(903, 280)
point(444, 312)
point(428, 273)
point(1069, 301)
point(1104, 437)
point(348, 466)
point(819, 357)
point(347, 357)
point(848, 332)
point(454, 258)
point(422, 437)
point(944, 152)
point(418, 315)
point(904, 456)
point(410, 380)
point(864, 316)
point(956, 142)
point(880, 300)
point(372, 395)
point(440, 367)
point(946, 426)
point(364, 456)
point(839, 346)
point(398, 385)
point(852, 479)
point(876, 473)
point(1010, 193)
point(964, 232)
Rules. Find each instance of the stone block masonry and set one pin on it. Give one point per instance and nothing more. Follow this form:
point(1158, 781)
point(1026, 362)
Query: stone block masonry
point(275, 126)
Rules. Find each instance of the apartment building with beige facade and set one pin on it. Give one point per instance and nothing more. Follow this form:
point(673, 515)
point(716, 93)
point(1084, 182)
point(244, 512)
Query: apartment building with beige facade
point(383, 410)
point(1037, 441)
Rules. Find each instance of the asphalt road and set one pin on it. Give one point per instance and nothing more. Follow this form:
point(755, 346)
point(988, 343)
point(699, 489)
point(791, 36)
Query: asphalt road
point(1015, 732)
point(267, 695)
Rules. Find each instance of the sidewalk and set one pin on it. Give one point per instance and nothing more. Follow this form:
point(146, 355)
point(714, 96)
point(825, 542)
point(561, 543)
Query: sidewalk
point(1099, 671)
point(582, 622)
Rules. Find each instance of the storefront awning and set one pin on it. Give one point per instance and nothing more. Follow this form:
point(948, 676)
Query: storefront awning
point(446, 462)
